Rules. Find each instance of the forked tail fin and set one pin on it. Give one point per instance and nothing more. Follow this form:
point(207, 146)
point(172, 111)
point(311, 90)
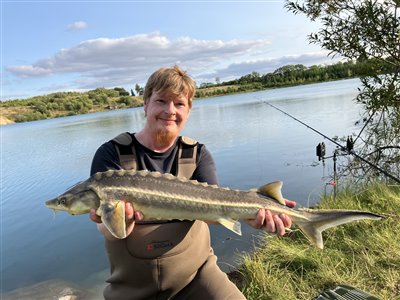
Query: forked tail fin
point(319, 220)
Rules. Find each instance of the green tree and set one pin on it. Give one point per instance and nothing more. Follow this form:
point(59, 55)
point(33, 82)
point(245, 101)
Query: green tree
point(368, 32)
point(128, 101)
point(121, 91)
point(139, 90)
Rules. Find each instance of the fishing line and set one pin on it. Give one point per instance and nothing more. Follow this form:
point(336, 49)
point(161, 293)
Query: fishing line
point(336, 143)
point(365, 125)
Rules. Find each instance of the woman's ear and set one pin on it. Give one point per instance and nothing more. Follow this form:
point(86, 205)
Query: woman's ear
point(145, 108)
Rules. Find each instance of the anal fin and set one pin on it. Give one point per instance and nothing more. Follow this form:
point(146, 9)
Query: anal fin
point(231, 224)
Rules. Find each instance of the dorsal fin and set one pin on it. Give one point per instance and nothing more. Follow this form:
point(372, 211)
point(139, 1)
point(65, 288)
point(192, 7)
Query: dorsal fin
point(273, 190)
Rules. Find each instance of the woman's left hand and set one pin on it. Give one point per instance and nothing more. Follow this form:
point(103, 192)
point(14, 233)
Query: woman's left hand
point(272, 223)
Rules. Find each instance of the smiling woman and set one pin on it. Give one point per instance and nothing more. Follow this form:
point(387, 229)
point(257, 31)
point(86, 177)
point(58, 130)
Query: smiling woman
point(166, 114)
point(137, 270)
point(168, 99)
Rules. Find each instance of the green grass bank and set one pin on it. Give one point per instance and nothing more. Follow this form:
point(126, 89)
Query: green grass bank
point(363, 254)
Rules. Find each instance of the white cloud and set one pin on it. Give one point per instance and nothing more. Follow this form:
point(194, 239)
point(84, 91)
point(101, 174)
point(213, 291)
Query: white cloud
point(107, 62)
point(79, 25)
point(110, 62)
point(25, 71)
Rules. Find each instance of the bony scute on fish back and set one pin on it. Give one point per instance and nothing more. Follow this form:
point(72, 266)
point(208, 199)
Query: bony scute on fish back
point(166, 197)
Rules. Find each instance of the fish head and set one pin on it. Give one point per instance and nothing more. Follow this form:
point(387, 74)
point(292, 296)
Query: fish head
point(77, 200)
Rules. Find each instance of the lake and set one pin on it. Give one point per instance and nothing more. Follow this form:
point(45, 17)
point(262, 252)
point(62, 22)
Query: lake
point(251, 142)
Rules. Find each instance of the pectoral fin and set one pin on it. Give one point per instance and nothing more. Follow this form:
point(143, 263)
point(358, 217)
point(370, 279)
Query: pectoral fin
point(231, 225)
point(113, 217)
point(273, 190)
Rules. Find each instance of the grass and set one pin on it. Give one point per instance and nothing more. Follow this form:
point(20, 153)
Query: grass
point(364, 254)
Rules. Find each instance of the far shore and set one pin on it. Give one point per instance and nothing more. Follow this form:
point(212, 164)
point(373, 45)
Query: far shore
point(5, 121)
point(10, 114)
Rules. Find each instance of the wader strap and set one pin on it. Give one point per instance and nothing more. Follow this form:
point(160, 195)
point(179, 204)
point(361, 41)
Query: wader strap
point(126, 151)
point(187, 156)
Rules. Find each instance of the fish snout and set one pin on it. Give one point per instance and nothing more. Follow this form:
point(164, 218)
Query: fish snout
point(58, 203)
point(51, 203)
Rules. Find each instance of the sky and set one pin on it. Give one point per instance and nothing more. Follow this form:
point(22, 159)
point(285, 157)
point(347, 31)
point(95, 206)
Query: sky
point(51, 46)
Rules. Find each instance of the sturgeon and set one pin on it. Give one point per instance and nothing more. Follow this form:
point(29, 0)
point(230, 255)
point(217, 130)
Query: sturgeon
point(167, 197)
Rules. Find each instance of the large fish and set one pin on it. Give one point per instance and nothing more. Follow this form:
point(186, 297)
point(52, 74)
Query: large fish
point(166, 197)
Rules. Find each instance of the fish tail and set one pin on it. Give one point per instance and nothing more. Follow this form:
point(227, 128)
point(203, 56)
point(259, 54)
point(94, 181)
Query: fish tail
point(318, 220)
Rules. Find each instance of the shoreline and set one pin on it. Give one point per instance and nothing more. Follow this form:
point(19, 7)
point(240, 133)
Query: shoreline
point(5, 121)
point(208, 93)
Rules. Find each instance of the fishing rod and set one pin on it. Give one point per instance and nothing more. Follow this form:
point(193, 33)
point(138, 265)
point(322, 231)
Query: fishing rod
point(336, 143)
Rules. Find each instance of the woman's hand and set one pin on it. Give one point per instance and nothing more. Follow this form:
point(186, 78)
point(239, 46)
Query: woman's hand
point(272, 223)
point(130, 217)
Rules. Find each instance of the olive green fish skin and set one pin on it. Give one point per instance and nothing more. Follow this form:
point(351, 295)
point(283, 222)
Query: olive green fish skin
point(176, 197)
point(166, 197)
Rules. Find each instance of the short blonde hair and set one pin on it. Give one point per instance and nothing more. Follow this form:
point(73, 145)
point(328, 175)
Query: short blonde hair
point(170, 80)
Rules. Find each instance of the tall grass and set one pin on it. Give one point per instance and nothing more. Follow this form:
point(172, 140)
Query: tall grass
point(364, 254)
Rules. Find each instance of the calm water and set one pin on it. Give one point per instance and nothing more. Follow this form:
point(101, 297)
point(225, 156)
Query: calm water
point(251, 142)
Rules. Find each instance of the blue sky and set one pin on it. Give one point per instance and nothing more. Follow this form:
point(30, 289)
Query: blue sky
point(49, 46)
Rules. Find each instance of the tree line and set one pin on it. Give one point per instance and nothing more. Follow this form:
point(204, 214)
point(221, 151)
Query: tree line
point(74, 103)
point(293, 75)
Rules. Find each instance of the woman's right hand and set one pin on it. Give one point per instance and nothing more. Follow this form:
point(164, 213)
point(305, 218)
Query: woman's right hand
point(130, 217)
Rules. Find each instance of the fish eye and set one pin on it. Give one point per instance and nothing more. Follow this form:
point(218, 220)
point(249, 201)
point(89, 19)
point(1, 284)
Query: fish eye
point(62, 201)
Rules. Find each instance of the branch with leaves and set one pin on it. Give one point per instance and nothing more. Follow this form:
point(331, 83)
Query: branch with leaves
point(365, 31)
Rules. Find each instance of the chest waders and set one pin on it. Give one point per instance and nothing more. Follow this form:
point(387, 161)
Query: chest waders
point(166, 260)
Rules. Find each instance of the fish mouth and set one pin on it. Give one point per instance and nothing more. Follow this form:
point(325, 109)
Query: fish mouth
point(49, 204)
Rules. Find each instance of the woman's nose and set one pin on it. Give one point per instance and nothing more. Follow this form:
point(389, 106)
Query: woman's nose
point(170, 108)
